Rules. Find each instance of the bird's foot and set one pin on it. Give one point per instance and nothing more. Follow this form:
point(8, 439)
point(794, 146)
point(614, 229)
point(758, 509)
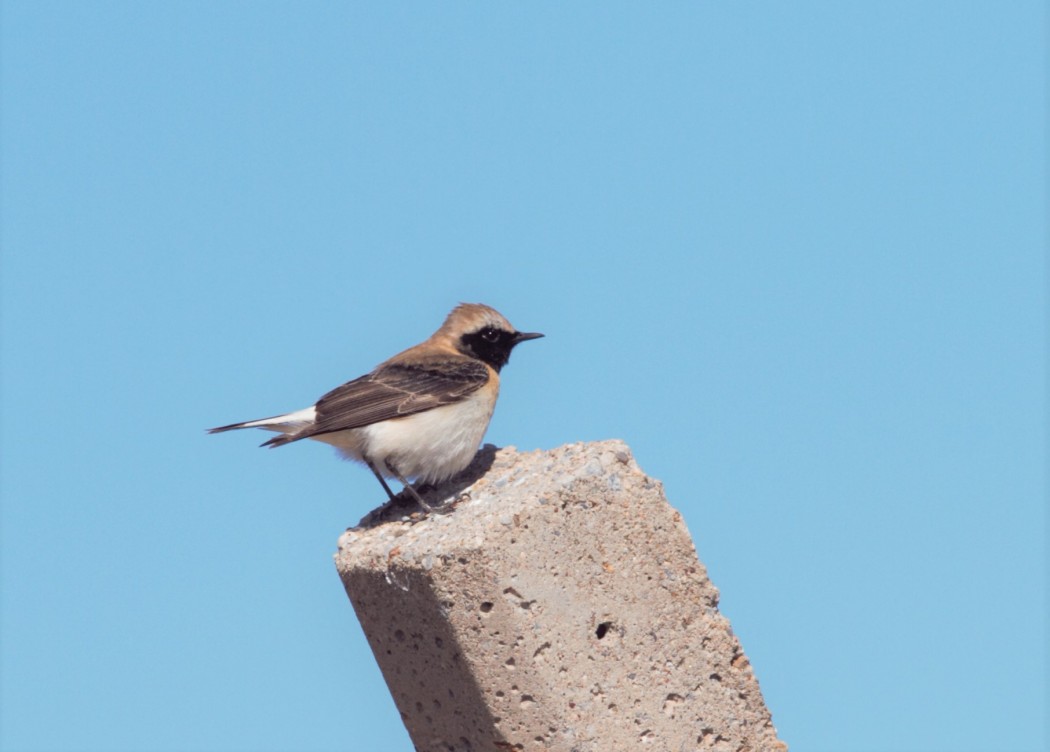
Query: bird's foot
point(460, 497)
point(443, 508)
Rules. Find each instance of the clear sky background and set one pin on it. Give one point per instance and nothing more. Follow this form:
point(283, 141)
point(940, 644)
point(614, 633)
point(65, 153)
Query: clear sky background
point(792, 253)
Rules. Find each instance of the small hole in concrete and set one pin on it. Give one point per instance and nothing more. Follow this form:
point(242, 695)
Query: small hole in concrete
point(486, 607)
point(602, 629)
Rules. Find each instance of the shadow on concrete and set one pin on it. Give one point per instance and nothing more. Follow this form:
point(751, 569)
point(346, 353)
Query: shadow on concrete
point(433, 686)
point(442, 497)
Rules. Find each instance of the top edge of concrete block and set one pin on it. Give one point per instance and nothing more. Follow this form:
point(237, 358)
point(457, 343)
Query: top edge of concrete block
point(499, 483)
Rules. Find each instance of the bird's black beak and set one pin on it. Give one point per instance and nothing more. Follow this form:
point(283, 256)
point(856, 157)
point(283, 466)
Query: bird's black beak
point(522, 336)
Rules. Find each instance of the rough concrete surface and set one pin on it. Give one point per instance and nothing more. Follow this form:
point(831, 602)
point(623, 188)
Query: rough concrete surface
point(560, 605)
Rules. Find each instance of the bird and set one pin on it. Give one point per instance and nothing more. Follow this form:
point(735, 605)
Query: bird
point(420, 414)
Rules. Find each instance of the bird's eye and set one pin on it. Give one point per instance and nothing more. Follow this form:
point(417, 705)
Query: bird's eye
point(489, 334)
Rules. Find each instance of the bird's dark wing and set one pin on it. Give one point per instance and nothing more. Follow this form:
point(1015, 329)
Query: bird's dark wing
point(397, 389)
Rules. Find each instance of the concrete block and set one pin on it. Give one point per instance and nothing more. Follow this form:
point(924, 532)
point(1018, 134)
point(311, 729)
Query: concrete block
point(560, 607)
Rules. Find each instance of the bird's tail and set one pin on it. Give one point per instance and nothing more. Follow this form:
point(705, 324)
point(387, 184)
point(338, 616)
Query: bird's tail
point(288, 425)
point(281, 440)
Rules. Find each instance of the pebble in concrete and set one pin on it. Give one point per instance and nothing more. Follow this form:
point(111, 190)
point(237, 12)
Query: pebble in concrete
point(559, 606)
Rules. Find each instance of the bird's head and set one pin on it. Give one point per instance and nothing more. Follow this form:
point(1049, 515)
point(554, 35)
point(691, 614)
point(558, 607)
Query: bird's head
point(479, 331)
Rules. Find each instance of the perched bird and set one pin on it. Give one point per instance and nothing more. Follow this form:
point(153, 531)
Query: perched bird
point(422, 413)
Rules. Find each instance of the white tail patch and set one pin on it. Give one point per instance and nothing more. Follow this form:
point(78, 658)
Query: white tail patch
point(283, 423)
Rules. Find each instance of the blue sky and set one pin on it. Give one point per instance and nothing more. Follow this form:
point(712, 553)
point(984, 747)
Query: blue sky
point(793, 254)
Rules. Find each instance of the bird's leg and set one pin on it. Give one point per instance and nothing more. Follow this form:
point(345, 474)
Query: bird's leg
point(380, 478)
point(408, 487)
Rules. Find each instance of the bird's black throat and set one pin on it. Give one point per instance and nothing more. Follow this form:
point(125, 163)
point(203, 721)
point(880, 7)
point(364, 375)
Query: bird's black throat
point(490, 345)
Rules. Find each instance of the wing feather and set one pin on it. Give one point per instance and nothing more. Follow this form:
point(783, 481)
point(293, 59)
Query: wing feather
point(395, 390)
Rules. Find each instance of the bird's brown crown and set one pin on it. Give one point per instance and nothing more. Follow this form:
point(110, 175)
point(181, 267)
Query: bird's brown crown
point(472, 317)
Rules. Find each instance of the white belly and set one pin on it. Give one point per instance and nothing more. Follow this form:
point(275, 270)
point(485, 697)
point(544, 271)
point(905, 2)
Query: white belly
point(431, 446)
